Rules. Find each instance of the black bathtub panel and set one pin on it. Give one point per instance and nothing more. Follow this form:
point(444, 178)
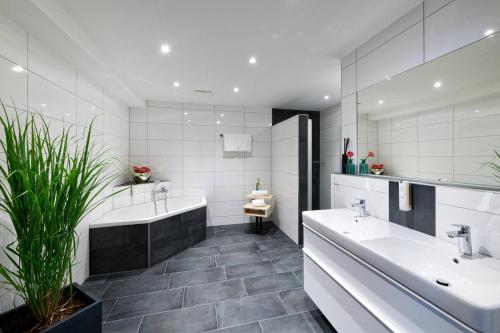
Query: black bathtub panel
point(176, 233)
point(120, 248)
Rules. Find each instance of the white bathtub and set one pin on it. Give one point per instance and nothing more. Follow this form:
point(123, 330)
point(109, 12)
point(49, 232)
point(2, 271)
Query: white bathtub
point(145, 213)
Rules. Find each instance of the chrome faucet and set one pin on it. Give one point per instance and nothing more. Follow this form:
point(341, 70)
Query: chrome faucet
point(464, 238)
point(361, 205)
point(155, 192)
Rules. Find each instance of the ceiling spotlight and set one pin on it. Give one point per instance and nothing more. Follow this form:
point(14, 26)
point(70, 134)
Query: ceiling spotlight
point(43, 105)
point(269, 124)
point(186, 113)
point(236, 89)
point(92, 107)
point(252, 60)
point(18, 69)
point(222, 115)
point(165, 48)
point(176, 84)
point(438, 84)
point(476, 111)
point(189, 120)
point(218, 122)
point(381, 102)
point(488, 32)
point(326, 97)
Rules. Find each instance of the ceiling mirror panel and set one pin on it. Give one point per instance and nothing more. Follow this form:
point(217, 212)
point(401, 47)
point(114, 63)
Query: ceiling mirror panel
point(439, 121)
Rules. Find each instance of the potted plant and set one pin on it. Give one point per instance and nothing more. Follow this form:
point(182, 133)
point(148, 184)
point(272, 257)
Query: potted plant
point(49, 184)
point(141, 173)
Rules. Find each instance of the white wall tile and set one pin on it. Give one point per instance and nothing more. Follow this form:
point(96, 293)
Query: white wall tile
point(403, 52)
point(349, 80)
point(458, 24)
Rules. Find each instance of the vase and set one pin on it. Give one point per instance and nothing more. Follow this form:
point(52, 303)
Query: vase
point(140, 178)
point(363, 168)
point(344, 163)
point(351, 167)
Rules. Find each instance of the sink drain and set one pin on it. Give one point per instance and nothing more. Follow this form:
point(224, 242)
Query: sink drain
point(442, 282)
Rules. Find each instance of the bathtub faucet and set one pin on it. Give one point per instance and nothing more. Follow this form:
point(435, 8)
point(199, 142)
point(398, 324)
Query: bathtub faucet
point(157, 191)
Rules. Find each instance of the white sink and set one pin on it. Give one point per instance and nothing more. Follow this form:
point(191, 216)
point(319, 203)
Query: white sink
point(466, 288)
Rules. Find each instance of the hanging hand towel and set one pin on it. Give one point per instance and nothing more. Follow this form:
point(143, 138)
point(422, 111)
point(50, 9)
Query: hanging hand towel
point(237, 142)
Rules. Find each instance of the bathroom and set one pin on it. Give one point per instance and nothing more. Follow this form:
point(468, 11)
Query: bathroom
point(286, 166)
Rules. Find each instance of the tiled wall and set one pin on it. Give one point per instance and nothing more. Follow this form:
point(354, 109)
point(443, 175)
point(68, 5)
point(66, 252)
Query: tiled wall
point(476, 208)
point(451, 143)
point(36, 79)
point(367, 138)
point(285, 175)
point(330, 152)
point(181, 143)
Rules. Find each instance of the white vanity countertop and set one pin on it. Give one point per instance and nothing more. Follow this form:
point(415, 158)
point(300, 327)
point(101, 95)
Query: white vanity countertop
point(416, 260)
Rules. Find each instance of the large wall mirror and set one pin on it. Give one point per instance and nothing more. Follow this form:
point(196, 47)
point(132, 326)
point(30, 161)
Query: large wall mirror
point(439, 121)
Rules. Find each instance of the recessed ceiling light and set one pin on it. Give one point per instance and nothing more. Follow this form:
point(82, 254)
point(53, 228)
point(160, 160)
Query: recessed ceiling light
point(189, 120)
point(236, 89)
point(252, 60)
point(476, 111)
point(326, 97)
point(165, 48)
point(438, 84)
point(18, 69)
point(218, 122)
point(269, 124)
point(43, 105)
point(381, 102)
point(176, 84)
point(488, 32)
point(92, 107)
point(222, 115)
point(186, 113)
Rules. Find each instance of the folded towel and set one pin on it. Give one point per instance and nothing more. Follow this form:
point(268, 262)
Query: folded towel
point(258, 203)
point(237, 142)
point(260, 192)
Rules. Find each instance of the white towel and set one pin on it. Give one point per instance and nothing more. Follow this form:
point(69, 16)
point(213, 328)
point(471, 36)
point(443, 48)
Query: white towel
point(237, 142)
point(259, 192)
point(258, 203)
point(230, 142)
point(245, 143)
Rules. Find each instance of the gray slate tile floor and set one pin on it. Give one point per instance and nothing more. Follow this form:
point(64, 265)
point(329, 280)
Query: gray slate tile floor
point(233, 282)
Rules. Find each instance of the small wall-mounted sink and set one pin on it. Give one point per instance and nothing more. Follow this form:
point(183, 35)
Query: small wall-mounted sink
point(468, 288)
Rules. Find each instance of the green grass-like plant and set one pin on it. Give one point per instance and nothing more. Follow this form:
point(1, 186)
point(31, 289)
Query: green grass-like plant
point(495, 165)
point(48, 184)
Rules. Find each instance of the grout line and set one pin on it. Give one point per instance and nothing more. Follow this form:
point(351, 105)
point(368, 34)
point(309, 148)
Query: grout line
point(281, 301)
point(183, 297)
point(244, 286)
point(260, 325)
point(216, 315)
point(139, 327)
point(111, 310)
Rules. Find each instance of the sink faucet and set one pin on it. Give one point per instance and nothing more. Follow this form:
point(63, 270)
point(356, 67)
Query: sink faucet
point(464, 239)
point(361, 205)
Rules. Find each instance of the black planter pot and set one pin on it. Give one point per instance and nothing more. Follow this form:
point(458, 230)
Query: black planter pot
point(86, 320)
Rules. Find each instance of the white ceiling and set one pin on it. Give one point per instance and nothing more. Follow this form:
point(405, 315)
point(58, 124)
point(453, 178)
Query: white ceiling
point(297, 44)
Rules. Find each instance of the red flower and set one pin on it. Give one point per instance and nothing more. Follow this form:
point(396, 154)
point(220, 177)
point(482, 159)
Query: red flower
point(350, 154)
point(371, 154)
point(141, 169)
point(377, 166)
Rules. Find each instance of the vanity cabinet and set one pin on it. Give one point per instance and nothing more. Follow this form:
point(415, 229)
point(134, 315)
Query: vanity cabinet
point(356, 298)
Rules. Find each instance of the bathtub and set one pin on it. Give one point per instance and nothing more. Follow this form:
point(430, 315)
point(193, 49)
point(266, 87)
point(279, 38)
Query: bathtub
point(135, 237)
